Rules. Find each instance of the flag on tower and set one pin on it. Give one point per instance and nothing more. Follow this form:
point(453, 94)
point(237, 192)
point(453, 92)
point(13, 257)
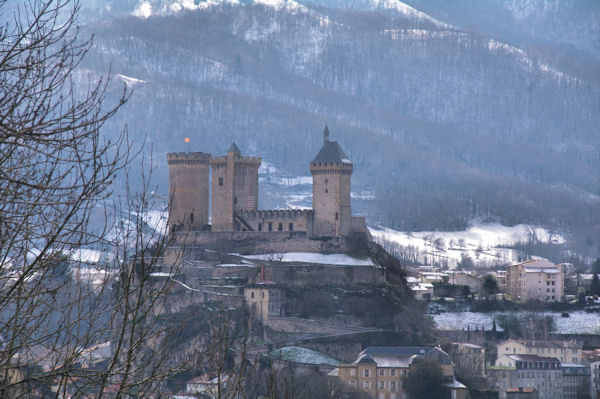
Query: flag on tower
point(187, 139)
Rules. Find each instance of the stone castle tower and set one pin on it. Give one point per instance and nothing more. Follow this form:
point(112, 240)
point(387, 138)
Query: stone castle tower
point(188, 190)
point(331, 171)
point(234, 188)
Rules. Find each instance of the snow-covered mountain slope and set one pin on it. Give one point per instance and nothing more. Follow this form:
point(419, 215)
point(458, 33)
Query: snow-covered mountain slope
point(487, 244)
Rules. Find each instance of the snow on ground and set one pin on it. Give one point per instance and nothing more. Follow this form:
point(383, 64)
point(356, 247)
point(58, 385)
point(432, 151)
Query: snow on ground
point(309, 257)
point(409, 11)
point(302, 355)
point(84, 255)
point(578, 322)
point(129, 80)
point(484, 243)
point(291, 181)
point(157, 220)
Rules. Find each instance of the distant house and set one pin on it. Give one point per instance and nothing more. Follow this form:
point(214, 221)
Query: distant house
point(379, 371)
point(468, 280)
point(564, 351)
point(419, 289)
point(206, 386)
point(535, 280)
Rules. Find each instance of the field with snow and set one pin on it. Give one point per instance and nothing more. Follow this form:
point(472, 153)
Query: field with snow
point(484, 243)
point(579, 322)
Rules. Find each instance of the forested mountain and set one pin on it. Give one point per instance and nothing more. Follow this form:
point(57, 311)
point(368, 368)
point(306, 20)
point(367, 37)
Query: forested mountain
point(444, 121)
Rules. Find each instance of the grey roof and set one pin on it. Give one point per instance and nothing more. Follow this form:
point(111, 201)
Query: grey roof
point(331, 152)
point(233, 148)
point(365, 359)
point(407, 351)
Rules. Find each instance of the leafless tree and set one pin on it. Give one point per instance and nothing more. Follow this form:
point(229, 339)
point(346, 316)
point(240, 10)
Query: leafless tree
point(56, 203)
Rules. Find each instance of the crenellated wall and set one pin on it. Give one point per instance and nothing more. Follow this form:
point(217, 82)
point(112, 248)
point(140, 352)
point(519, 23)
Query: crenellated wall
point(289, 220)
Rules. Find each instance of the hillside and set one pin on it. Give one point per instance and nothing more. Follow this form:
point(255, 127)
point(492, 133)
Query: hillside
point(443, 124)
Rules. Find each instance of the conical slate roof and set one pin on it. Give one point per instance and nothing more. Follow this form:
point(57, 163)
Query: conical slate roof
point(233, 148)
point(331, 152)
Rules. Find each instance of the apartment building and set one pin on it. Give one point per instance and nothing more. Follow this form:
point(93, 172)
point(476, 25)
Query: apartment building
point(564, 351)
point(536, 279)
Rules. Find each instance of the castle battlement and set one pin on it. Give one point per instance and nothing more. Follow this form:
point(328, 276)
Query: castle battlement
point(317, 168)
point(234, 190)
point(275, 213)
point(188, 158)
point(242, 161)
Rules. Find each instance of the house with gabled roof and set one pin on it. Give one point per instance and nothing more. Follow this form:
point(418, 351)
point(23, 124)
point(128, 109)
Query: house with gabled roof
point(380, 371)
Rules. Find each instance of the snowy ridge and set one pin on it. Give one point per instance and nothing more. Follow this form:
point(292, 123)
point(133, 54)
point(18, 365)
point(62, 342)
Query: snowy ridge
point(408, 11)
point(492, 45)
point(485, 244)
point(496, 46)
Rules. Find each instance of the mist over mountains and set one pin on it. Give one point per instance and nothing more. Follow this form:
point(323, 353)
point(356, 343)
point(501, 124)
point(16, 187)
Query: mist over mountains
point(449, 111)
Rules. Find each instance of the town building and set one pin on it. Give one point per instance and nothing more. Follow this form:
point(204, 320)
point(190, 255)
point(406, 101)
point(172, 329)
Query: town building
point(469, 359)
point(564, 351)
point(264, 299)
point(592, 359)
point(473, 282)
point(515, 371)
point(379, 371)
point(234, 191)
point(537, 279)
point(420, 290)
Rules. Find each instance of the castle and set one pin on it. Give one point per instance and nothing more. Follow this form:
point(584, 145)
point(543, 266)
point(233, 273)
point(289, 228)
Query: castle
point(234, 192)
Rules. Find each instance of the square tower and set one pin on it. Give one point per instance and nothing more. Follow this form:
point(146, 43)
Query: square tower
point(234, 187)
point(331, 171)
point(188, 190)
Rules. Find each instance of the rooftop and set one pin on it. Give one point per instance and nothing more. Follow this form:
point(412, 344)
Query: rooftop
point(542, 344)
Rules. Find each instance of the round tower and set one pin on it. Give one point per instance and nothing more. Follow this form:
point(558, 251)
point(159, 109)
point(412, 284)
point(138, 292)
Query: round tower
point(188, 190)
point(234, 187)
point(331, 171)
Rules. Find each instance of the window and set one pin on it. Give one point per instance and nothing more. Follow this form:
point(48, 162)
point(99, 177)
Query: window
point(381, 385)
point(234, 200)
point(393, 372)
point(260, 227)
point(326, 191)
point(393, 386)
point(325, 181)
point(353, 384)
point(191, 218)
point(381, 372)
point(291, 227)
point(263, 294)
point(366, 373)
point(336, 216)
point(252, 294)
point(352, 372)
point(220, 181)
point(280, 227)
point(366, 385)
point(270, 226)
